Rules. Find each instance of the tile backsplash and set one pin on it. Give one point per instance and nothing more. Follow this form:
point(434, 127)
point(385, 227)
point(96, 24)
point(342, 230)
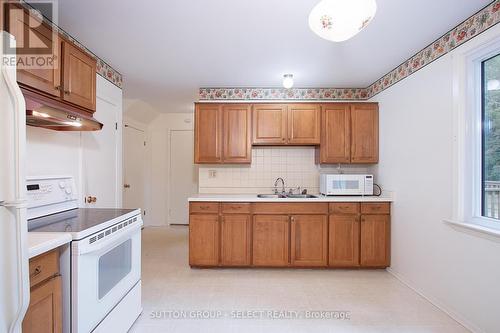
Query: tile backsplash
point(294, 164)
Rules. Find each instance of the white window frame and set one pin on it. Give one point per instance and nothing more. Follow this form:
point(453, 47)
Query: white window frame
point(467, 94)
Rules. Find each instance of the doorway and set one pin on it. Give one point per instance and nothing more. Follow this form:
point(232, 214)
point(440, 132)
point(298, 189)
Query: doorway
point(133, 168)
point(183, 178)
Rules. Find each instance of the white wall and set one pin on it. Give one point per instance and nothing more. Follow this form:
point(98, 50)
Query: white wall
point(61, 153)
point(457, 270)
point(158, 164)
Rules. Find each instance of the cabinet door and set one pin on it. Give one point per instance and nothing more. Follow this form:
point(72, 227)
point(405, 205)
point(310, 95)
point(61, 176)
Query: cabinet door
point(79, 73)
point(269, 124)
point(208, 134)
point(32, 33)
point(44, 314)
point(364, 133)
point(235, 240)
point(309, 240)
point(271, 240)
point(344, 241)
point(304, 124)
point(204, 240)
point(237, 129)
point(375, 240)
point(335, 134)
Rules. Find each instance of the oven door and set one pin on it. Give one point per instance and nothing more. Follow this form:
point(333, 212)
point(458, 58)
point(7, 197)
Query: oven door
point(103, 272)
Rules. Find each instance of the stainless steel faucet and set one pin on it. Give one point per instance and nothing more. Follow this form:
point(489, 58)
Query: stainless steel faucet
point(282, 186)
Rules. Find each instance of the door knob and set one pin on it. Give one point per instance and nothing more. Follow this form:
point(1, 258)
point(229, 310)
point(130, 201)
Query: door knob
point(126, 185)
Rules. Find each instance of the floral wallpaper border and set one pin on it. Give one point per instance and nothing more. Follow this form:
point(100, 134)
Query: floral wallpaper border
point(102, 68)
point(468, 29)
point(281, 94)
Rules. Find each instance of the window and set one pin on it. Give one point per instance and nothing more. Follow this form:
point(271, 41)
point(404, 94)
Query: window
point(490, 143)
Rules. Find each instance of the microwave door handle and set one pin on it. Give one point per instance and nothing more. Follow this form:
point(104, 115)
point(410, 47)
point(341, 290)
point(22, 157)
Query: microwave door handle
point(108, 243)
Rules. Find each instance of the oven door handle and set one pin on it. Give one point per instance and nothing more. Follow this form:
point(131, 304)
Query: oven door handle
point(108, 243)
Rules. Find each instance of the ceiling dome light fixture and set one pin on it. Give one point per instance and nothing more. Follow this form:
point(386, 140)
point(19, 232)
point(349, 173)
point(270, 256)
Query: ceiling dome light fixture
point(288, 81)
point(339, 20)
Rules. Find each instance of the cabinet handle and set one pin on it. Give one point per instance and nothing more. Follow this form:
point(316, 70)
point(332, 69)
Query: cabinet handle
point(67, 92)
point(204, 207)
point(38, 270)
point(58, 88)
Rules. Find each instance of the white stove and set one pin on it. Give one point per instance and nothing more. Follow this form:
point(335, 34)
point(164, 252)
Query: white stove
point(105, 254)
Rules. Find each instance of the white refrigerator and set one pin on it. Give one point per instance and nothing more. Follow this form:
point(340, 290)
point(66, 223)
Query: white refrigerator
point(14, 274)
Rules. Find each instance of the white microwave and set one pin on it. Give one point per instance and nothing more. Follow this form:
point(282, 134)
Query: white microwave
point(342, 184)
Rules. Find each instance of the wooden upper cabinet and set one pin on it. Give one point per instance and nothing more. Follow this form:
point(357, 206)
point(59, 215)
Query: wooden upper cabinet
point(237, 136)
point(304, 124)
point(364, 133)
point(208, 134)
point(270, 240)
point(269, 124)
point(223, 133)
point(79, 77)
point(335, 134)
point(375, 240)
point(235, 240)
point(204, 240)
point(309, 240)
point(31, 33)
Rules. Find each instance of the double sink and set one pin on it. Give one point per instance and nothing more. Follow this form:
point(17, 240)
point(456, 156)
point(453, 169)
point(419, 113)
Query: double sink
point(289, 196)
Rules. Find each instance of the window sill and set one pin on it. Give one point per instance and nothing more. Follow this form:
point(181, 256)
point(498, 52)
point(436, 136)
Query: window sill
point(475, 229)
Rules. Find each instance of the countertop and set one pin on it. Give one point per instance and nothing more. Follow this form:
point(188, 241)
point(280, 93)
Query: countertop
point(254, 198)
point(41, 242)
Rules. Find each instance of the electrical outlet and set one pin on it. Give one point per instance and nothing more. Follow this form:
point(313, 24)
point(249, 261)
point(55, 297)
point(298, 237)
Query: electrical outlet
point(212, 174)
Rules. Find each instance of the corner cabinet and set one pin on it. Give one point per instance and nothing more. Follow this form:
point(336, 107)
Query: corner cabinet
point(223, 134)
point(349, 133)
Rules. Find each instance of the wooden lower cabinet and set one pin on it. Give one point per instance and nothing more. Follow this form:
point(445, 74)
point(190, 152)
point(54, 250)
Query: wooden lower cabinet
point(343, 235)
point(235, 240)
point(375, 240)
point(343, 240)
point(44, 314)
point(309, 240)
point(204, 240)
point(271, 244)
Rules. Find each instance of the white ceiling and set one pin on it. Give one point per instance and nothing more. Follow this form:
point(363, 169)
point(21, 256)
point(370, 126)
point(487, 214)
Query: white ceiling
point(166, 50)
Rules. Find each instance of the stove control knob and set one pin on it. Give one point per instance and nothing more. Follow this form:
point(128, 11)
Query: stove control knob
point(68, 190)
point(62, 184)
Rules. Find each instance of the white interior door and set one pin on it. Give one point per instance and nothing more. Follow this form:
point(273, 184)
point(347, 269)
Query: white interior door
point(133, 167)
point(102, 151)
point(183, 175)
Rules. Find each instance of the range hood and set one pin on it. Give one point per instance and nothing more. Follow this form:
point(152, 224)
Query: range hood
point(46, 113)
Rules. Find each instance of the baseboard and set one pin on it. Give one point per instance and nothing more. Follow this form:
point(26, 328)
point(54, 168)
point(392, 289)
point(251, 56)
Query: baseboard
point(455, 316)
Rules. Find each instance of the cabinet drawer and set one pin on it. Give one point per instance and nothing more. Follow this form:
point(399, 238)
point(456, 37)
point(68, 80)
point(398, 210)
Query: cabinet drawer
point(344, 208)
point(290, 208)
point(44, 267)
point(235, 208)
point(204, 207)
point(375, 208)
